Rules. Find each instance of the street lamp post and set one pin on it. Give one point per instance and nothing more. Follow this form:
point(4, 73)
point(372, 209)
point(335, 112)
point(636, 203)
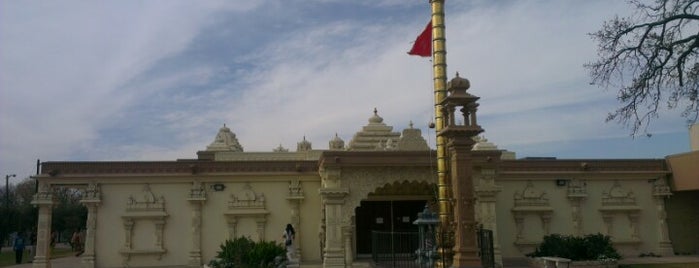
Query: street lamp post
point(7, 189)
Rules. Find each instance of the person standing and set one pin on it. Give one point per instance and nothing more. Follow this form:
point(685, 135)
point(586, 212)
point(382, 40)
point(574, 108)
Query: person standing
point(19, 245)
point(288, 236)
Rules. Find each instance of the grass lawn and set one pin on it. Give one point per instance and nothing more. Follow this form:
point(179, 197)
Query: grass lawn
point(661, 265)
point(7, 258)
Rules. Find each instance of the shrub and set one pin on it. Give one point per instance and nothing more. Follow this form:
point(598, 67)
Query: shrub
point(589, 247)
point(243, 252)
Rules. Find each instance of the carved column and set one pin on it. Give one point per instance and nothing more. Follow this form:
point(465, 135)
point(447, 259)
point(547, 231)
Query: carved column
point(197, 197)
point(91, 200)
point(608, 224)
point(260, 222)
point(347, 235)
point(232, 222)
point(519, 224)
point(88, 257)
point(465, 242)
point(546, 222)
point(487, 196)
point(333, 199)
point(295, 198)
point(44, 200)
point(577, 193)
point(660, 192)
point(633, 226)
point(128, 233)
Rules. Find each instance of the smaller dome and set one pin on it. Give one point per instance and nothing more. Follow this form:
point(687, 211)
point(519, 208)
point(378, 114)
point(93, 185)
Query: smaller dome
point(376, 119)
point(337, 143)
point(304, 145)
point(459, 82)
point(280, 149)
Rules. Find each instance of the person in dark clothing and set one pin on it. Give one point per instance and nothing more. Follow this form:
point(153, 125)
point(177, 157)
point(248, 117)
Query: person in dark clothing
point(19, 245)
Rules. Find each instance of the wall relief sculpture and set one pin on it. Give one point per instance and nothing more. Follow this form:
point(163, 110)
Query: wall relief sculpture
point(246, 203)
point(144, 208)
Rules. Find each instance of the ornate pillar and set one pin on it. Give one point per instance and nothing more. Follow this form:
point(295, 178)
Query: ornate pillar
point(660, 192)
point(333, 197)
point(486, 193)
point(44, 200)
point(260, 222)
point(295, 198)
point(197, 197)
point(460, 144)
point(91, 200)
point(577, 193)
point(232, 222)
point(608, 220)
point(159, 227)
point(334, 255)
point(465, 242)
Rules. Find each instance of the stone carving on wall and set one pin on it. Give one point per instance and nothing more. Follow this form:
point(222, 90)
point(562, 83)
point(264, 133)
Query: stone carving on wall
point(618, 196)
point(246, 203)
point(618, 201)
point(92, 192)
point(146, 208)
point(197, 191)
point(295, 189)
point(530, 201)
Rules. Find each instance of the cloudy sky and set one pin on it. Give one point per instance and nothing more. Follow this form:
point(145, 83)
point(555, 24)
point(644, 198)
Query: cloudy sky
point(155, 80)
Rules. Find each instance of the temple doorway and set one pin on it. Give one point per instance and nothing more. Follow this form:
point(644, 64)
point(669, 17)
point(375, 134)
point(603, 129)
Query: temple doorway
point(385, 216)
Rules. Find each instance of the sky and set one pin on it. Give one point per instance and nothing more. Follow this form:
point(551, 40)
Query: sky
point(155, 80)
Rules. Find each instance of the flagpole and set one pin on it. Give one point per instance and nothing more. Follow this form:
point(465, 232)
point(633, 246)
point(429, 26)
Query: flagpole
point(439, 69)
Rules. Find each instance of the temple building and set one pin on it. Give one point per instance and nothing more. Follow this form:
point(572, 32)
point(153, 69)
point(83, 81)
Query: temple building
point(177, 213)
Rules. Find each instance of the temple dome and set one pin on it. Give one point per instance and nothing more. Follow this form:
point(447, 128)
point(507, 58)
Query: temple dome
point(336, 143)
point(303, 145)
point(225, 141)
point(459, 82)
point(376, 119)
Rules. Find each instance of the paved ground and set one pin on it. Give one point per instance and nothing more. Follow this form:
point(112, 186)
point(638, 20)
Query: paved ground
point(74, 262)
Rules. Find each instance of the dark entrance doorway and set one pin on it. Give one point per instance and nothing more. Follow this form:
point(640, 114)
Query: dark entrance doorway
point(387, 216)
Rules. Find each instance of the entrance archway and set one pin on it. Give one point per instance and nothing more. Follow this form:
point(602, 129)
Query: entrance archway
point(390, 208)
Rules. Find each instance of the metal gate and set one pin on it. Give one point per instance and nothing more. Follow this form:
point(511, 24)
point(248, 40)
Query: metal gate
point(394, 249)
point(485, 244)
point(397, 249)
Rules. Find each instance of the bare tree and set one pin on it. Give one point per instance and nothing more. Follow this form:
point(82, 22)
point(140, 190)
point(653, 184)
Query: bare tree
point(651, 57)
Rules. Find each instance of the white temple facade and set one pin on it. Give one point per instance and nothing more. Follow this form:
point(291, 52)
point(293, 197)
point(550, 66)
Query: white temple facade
point(178, 213)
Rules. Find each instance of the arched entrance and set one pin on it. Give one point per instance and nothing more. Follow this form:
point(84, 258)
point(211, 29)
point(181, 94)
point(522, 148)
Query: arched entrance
point(390, 208)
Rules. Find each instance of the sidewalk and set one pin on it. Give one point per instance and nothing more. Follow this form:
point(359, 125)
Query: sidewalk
point(73, 262)
point(65, 262)
point(671, 259)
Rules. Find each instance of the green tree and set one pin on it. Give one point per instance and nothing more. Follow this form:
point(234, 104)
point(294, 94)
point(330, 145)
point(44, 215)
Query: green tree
point(651, 57)
point(68, 214)
point(18, 215)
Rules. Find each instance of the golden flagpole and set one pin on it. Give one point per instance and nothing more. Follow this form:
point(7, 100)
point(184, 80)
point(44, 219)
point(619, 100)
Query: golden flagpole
point(439, 69)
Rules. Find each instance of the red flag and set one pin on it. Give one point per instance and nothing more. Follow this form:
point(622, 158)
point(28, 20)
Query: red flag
point(423, 44)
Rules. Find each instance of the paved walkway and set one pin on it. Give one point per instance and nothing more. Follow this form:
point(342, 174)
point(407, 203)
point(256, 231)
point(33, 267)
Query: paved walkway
point(65, 262)
point(73, 262)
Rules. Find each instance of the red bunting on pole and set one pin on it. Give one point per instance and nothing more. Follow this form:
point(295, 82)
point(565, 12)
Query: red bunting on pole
point(423, 44)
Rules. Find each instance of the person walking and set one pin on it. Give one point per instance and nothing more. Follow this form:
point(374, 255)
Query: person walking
point(19, 245)
point(288, 236)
